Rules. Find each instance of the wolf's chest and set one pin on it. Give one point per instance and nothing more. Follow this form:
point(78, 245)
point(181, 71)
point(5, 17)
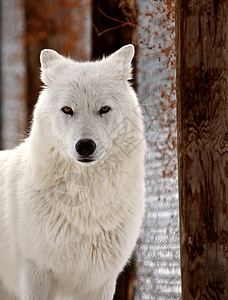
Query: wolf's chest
point(66, 250)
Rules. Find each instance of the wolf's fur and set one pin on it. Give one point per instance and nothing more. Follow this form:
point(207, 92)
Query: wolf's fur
point(67, 228)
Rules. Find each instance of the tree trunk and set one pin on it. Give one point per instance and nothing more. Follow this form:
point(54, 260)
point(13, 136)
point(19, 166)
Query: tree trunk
point(13, 74)
point(202, 102)
point(63, 26)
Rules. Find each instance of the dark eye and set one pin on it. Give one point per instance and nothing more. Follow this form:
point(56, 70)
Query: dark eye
point(104, 109)
point(67, 110)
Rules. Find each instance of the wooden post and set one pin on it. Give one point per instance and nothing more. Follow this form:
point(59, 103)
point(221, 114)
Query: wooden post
point(202, 102)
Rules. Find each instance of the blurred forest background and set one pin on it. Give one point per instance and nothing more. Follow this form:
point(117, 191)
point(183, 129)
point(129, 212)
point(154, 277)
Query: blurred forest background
point(87, 29)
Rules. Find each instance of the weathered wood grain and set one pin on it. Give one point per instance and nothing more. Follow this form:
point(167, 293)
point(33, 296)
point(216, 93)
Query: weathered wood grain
point(202, 100)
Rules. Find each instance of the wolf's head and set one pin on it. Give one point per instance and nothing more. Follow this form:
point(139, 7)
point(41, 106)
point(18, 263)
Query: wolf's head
point(86, 103)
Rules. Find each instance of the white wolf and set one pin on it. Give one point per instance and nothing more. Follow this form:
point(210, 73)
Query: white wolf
point(72, 194)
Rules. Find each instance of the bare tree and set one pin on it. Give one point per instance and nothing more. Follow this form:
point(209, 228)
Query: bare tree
point(202, 102)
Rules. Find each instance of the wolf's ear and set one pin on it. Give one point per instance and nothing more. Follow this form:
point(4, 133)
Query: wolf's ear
point(49, 59)
point(123, 57)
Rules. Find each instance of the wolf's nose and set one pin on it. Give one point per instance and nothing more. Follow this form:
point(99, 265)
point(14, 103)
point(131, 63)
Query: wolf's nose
point(85, 147)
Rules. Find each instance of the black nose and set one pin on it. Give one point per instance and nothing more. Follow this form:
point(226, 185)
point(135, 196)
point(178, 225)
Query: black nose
point(85, 147)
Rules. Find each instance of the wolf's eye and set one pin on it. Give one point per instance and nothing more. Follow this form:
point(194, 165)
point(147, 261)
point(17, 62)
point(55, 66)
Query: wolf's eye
point(104, 109)
point(67, 110)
